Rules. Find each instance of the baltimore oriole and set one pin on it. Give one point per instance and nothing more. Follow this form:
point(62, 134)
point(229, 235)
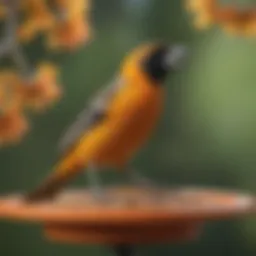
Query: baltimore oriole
point(118, 121)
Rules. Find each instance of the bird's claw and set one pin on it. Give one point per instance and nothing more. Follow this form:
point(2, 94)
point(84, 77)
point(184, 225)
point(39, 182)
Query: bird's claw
point(146, 184)
point(101, 197)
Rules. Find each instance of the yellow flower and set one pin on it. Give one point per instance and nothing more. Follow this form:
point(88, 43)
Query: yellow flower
point(194, 5)
point(2, 11)
point(38, 18)
point(251, 28)
point(42, 89)
point(200, 6)
point(10, 94)
point(231, 18)
point(13, 124)
point(73, 8)
point(203, 11)
point(72, 25)
point(16, 93)
point(240, 23)
point(70, 33)
point(13, 127)
point(203, 21)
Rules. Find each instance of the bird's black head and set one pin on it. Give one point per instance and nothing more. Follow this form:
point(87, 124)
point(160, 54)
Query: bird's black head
point(162, 60)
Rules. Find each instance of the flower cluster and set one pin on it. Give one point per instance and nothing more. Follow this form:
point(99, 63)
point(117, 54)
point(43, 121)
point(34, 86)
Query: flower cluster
point(231, 18)
point(65, 25)
point(18, 94)
point(71, 29)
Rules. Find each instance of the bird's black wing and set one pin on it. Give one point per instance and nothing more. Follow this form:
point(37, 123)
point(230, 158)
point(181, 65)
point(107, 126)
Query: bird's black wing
point(91, 115)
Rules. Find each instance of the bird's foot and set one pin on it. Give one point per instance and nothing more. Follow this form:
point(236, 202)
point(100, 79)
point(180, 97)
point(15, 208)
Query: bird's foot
point(106, 198)
point(150, 187)
point(99, 195)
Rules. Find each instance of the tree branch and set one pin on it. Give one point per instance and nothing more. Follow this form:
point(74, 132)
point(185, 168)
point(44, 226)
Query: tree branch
point(11, 40)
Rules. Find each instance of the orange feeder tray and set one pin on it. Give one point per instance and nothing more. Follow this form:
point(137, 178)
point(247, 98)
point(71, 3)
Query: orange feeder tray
point(129, 216)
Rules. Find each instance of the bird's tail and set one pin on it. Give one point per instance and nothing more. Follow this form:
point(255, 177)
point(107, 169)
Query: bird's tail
point(62, 174)
point(49, 188)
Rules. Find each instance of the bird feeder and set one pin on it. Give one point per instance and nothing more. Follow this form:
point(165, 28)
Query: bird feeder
point(129, 216)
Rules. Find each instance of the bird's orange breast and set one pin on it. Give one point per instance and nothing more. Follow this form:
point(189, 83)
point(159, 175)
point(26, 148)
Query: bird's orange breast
point(132, 117)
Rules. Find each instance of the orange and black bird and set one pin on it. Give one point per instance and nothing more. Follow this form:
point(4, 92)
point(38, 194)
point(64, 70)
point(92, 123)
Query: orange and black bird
point(117, 122)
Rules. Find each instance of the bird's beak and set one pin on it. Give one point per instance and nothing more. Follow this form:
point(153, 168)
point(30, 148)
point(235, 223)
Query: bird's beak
point(176, 57)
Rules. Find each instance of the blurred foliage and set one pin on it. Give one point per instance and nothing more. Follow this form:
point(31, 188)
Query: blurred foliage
point(206, 136)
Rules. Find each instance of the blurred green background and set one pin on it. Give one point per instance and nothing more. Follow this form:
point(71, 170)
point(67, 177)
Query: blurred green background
point(207, 135)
